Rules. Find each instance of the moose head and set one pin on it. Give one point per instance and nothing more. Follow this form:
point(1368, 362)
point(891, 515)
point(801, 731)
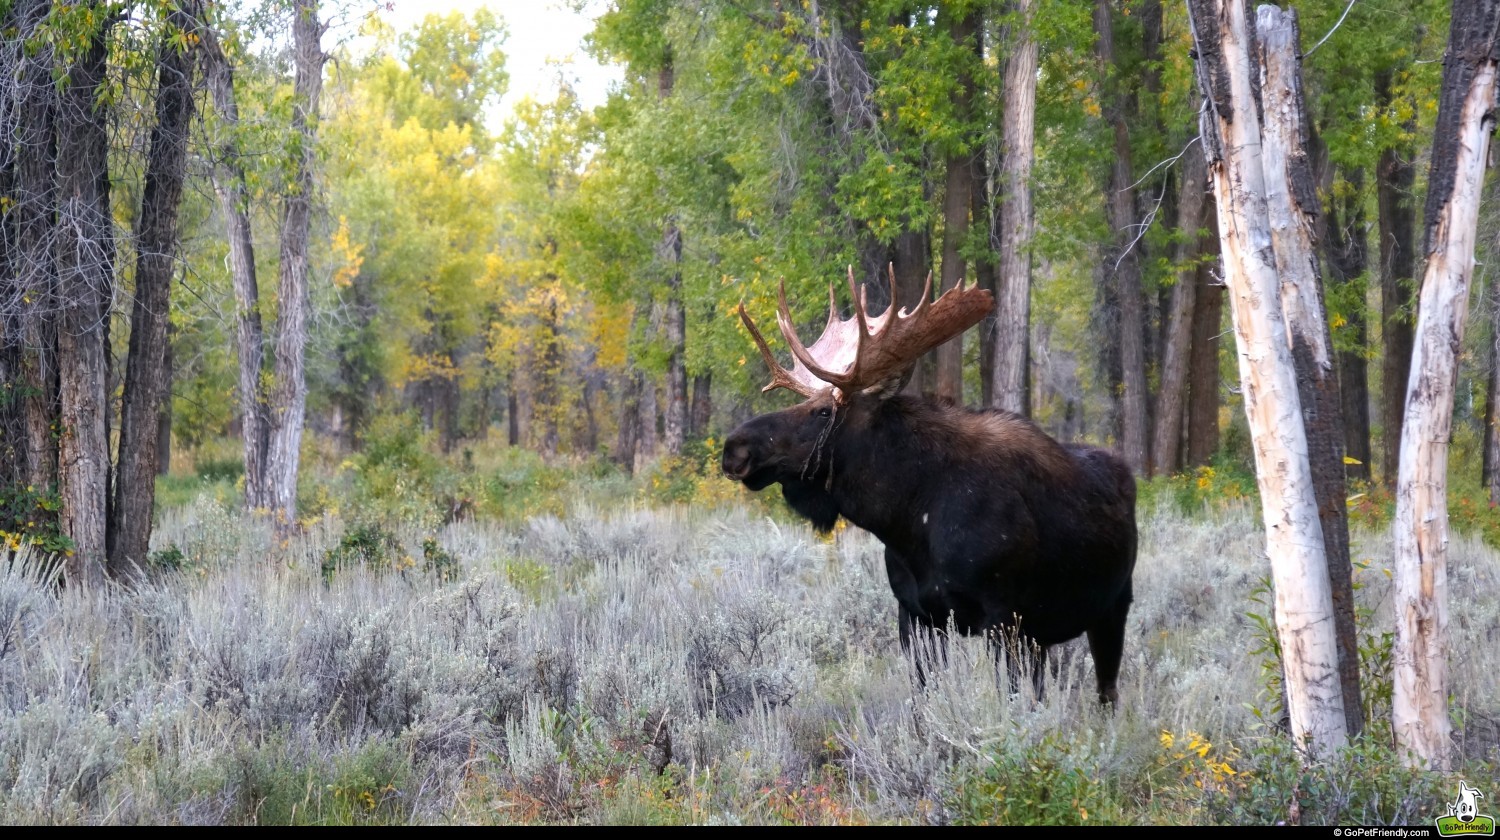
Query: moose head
point(853, 367)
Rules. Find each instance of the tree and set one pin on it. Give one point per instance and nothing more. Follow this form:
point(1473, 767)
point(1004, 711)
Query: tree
point(1466, 118)
point(1012, 390)
point(230, 185)
point(964, 26)
point(147, 372)
point(1293, 207)
point(273, 405)
point(30, 298)
point(1166, 446)
point(1121, 258)
point(84, 247)
point(1232, 141)
point(414, 185)
point(288, 394)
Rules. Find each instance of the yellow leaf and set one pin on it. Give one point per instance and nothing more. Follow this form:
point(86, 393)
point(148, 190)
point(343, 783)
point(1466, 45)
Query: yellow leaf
point(1348, 460)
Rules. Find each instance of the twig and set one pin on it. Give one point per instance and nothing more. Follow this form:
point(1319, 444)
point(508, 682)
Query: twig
point(1336, 25)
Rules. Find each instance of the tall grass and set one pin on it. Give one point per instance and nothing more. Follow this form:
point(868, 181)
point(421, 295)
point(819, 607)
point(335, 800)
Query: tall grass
point(664, 664)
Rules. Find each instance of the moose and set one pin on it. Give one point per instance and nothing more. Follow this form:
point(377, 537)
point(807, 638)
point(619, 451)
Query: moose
point(987, 521)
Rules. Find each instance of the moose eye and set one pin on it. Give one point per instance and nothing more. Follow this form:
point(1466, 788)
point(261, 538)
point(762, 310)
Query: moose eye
point(825, 412)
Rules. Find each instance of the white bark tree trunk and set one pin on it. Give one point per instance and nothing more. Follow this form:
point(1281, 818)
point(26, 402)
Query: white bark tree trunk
point(1292, 200)
point(1294, 538)
point(1419, 711)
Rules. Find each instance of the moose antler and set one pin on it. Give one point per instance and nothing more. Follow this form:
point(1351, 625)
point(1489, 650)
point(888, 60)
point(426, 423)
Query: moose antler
point(866, 353)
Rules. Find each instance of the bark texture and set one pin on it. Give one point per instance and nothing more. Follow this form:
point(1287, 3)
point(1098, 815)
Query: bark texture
point(147, 376)
point(1292, 202)
point(84, 251)
point(1171, 398)
point(34, 293)
point(228, 176)
point(288, 397)
point(1121, 259)
point(1419, 710)
point(1231, 130)
point(1011, 389)
point(957, 202)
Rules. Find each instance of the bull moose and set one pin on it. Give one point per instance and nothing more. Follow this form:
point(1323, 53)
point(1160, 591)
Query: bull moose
point(987, 521)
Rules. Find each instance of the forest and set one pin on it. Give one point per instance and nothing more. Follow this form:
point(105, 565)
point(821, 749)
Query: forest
point(360, 441)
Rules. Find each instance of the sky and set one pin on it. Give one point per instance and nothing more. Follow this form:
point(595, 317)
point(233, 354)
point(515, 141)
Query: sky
point(542, 34)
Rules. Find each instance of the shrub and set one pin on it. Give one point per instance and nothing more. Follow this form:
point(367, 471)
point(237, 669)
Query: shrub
point(368, 546)
point(1056, 781)
point(30, 514)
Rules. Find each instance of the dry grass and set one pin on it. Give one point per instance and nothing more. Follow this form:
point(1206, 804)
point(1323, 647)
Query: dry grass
point(659, 666)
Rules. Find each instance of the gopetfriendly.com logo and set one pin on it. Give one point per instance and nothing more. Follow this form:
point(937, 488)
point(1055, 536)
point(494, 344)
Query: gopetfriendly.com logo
point(1463, 818)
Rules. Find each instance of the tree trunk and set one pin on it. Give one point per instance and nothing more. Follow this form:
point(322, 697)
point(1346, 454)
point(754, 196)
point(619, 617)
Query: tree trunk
point(33, 219)
point(1012, 367)
point(164, 416)
point(85, 277)
point(512, 415)
point(288, 397)
point(1122, 258)
point(1294, 539)
point(548, 390)
point(984, 213)
point(232, 191)
point(703, 406)
point(147, 380)
point(958, 200)
point(675, 423)
point(12, 420)
point(669, 255)
point(630, 421)
point(1347, 262)
point(1203, 374)
point(1489, 474)
point(912, 255)
point(1292, 203)
point(1419, 710)
point(1490, 468)
point(1171, 398)
point(1396, 178)
point(645, 449)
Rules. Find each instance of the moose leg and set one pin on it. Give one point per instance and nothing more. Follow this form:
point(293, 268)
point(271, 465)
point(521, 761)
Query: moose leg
point(1107, 644)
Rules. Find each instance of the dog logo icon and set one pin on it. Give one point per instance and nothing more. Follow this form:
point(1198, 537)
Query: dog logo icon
point(1463, 818)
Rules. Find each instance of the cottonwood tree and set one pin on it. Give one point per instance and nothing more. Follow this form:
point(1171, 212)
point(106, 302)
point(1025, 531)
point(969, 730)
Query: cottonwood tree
point(1012, 363)
point(1466, 118)
point(1121, 258)
point(274, 402)
point(61, 274)
point(1232, 135)
point(147, 370)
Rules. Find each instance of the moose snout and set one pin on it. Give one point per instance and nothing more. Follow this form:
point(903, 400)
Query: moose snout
point(736, 459)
